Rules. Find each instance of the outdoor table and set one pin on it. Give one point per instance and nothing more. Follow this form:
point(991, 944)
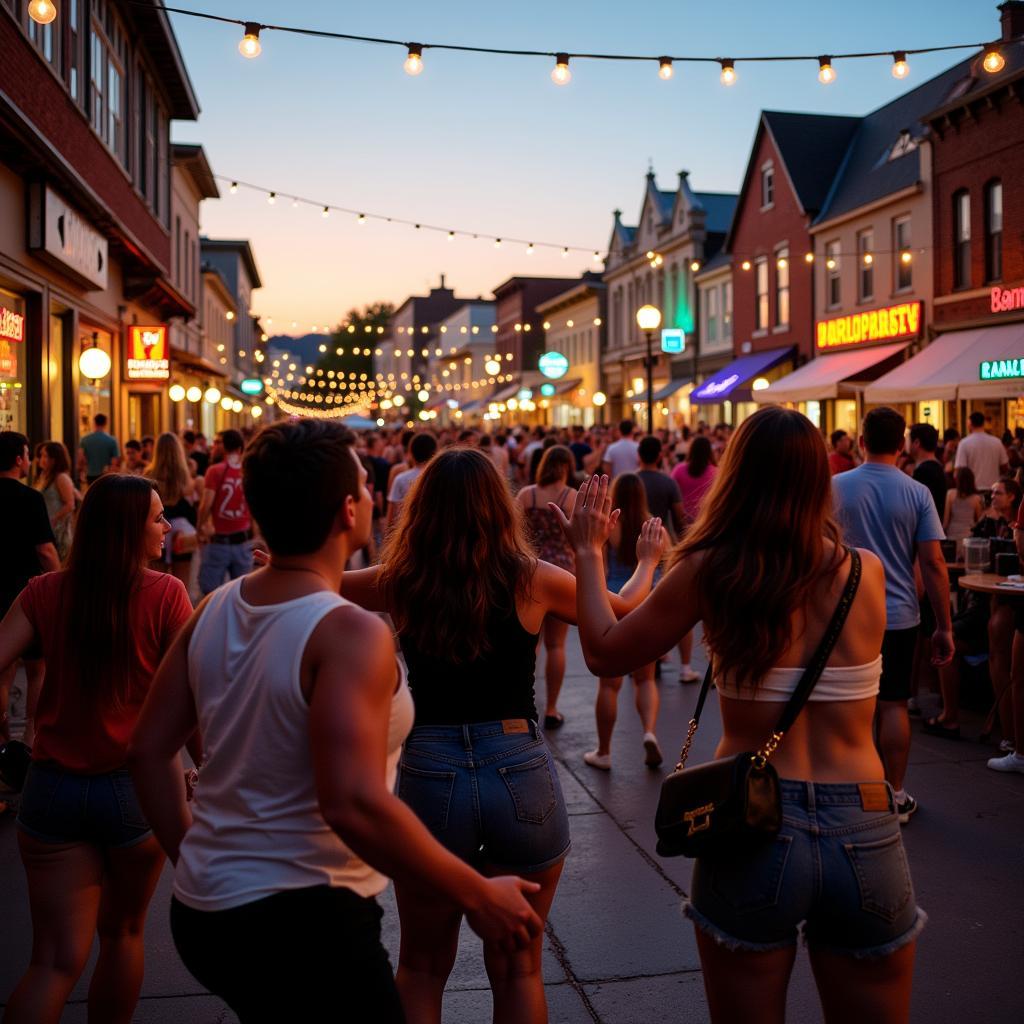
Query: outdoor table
point(990, 583)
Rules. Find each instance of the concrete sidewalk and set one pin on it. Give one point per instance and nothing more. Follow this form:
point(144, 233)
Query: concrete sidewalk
point(617, 949)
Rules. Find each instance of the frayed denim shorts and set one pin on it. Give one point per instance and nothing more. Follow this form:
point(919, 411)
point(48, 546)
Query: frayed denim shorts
point(488, 792)
point(837, 866)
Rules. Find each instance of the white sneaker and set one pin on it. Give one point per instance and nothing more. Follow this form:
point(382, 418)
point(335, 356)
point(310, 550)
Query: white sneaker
point(596, 760)
point(687, 675)
point(1006, 746)
point(1010, 763)
point(652, 752)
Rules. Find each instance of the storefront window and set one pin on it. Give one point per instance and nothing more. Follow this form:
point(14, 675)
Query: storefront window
point(846, 416)
point(55, 377)
point(93, 395)
point(13, 368)
point(813, 413)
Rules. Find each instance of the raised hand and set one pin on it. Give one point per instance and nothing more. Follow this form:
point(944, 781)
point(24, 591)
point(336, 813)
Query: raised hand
point(652, 543)
point(592, 516)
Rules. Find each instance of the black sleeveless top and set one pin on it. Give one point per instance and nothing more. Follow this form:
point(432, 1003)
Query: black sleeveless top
point(497, 685)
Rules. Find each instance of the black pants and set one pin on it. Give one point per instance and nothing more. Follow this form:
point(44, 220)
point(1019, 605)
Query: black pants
point(302, 955)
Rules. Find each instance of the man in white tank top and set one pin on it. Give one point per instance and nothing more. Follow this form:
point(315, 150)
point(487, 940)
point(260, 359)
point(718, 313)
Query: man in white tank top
point(302, 711)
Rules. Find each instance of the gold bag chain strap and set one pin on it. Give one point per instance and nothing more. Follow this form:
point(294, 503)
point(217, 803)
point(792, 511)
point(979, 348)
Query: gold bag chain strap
point(807, 681)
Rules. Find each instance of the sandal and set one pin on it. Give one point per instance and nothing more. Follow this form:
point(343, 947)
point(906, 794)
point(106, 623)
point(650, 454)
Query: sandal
point(934, 727)
point(552, 722)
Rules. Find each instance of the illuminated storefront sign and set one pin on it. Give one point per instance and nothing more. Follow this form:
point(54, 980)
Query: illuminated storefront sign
point(251, 386)
point(717, 387)
point(1000, 369)
point(1004, 300)
point(12, 331)
point(887, 324)
point(147, 353)
point(553, 365)
point(673, 339)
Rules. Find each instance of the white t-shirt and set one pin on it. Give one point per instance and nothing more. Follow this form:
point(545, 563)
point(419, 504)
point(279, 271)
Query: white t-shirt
point(623, 456)
point(982, 454)
point(402, 484)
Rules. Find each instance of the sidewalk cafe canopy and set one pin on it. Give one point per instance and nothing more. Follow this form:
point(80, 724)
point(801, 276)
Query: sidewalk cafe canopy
point(823, 377)
point(719, 386)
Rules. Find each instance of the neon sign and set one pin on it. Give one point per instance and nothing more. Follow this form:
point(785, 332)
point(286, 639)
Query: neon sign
point(1001, 369)
point(12, 325)
point(901, 321)
point(1006, 299)
point(147, 353)
point(553, 365)
point(716, 387)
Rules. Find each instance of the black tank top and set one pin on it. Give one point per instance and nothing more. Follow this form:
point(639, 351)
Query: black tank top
point(497, 685)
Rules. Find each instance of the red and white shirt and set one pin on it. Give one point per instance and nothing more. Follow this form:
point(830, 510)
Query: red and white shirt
point(229, 513)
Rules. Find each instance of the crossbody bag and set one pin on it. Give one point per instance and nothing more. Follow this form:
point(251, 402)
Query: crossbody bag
point(734, 801)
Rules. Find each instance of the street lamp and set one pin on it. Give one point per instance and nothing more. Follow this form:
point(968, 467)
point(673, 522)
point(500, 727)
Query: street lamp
point(648, 319)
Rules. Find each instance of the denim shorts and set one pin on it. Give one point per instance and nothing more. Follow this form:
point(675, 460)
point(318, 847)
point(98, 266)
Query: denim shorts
point(58, 806)
point(837, 865)
point(488, 792)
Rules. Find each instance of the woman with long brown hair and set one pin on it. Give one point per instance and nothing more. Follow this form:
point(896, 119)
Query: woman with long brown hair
point(58, 491)
point(630, 498)
point(468, 597)
point(556, 469)
point(763, 568)
point(181, 493)
point(92, 863)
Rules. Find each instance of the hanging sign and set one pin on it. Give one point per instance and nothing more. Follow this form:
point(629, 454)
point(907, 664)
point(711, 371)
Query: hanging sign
point(1001, 369)
point(673, 340)
point(12, 325)
point(553, 365)
point(147, 353)
point(251, 386)
point(59, 235)
point(887, 324)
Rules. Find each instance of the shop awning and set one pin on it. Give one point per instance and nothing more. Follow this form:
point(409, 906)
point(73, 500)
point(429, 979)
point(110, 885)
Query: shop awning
point(950, 368)
point(719, 386)
point(472, 406)
point(822, 377)
point(562, 387)
point(671, 388)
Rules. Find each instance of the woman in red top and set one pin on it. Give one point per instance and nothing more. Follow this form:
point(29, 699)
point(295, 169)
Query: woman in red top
point(102, 624)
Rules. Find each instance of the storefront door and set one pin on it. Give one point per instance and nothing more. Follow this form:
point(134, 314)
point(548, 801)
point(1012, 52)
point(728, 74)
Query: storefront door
point(143, 414)
point(94, 394)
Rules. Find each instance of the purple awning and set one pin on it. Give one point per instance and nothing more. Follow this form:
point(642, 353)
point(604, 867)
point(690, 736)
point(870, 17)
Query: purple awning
point(719, 386)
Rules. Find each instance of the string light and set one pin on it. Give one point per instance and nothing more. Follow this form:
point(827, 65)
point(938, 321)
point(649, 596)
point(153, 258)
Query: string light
point(414, 62)
point(327, 212)
point(272, 198)
point(665, 71)
point(250, 45)
point(808, 257)
point(695, 265)
point(42, 12)
point(529, 249)
point(994, 61)
point(234, 187)
point(906, 257)
point(361, 219)
point(560, 73)
point(900, 67)
point(868, 259)
point(728, 75)
point(826, 73)
point(745, 265)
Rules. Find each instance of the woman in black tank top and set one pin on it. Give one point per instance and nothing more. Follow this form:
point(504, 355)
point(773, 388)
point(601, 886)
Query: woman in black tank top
point(468, 597)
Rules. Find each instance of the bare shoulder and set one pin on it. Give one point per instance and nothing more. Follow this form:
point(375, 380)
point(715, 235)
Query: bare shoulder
point(870, 563)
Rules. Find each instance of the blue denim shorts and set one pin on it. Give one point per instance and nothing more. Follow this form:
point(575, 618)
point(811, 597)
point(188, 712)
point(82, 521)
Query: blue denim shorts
point(58, 806)
point(488, 792)
point(837, 865)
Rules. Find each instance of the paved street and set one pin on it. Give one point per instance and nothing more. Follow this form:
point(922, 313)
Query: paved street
point(618, 950)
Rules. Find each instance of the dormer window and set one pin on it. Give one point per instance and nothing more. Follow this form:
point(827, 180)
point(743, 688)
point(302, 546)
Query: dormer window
point(905, 144)
point(767, 185)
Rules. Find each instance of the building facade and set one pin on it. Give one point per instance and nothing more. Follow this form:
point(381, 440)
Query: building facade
point(457, 366)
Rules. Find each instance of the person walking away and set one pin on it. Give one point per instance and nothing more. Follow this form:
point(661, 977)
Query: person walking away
point(924, 440)
point(843, 456)
point(90, 858)
point(303, 710)
point(695, 476)
point(28, 548)
point(224, 522)
point(579, 447)
point(622, 557)
point(557, 466)
point(664, 499)
point(421, 450)
point(1012, 705)
point(179, 491)
point(133, 465)
point(196, 455)
point(885, 511)
point(963, 508)
point(982, 453)
point(58, 492)
point(468, 598)
point(98, 452)
point(622, 455)
point(764, 568)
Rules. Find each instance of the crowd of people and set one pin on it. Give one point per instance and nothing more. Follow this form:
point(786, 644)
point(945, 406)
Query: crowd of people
point(342, 632)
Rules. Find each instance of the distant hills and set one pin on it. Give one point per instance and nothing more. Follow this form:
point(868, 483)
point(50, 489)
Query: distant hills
point(306, 347)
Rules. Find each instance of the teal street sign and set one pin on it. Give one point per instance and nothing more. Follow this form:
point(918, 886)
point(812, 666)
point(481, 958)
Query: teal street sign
point(553, 365)
point(1001, 369)
point(251, 386)
point(547, 390)
point(673, 339)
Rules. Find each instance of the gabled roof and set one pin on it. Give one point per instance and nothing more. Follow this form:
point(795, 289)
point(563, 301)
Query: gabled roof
point(872, 167)
point(192, 159)
point(153, 28)
point(976, 83)
point(239, 246)
point(718, 209)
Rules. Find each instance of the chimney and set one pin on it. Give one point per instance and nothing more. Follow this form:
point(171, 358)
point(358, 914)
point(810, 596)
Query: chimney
point(442, 282)
point(1011, 19)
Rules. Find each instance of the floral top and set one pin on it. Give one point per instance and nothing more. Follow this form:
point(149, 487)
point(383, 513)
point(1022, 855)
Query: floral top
point(546, 532)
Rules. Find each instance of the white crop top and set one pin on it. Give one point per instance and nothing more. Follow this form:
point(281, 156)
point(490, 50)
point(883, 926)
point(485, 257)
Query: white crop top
point(837, 682)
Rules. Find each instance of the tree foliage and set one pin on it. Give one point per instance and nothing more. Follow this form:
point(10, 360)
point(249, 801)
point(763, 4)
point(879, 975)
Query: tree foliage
point(359, 329)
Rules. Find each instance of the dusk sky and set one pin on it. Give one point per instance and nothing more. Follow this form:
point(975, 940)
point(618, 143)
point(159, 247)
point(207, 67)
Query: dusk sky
point(490, 144)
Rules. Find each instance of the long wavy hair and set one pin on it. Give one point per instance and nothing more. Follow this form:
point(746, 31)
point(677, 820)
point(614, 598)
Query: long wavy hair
point(762, 531)
point(60, 462)
point(700, 456)
point(457, 557)
point(630, 497)
point(557, 463)
point(104, 567)
point(169, 469)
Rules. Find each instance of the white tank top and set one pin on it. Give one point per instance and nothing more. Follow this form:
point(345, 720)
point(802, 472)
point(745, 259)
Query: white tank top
point(256, 822)
point(836, 682)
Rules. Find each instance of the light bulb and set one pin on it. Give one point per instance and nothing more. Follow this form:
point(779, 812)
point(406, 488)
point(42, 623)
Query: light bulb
point(868, 259)
point(560, 73)
point(42, 11)
point(361, 219)
point(327, 211)
point(194, 394)
point(565, 253)
point(529, 249)
point(234, 187)
point(665, 68)
point(782, 263)
point(497, 243)
point(695, 265)
point(808, 257)
point(830, 264)
point(900, 67)
point(414, 62)
point(826, 73)
point(745, 265)
point(994, 61)
point(905, 257)
point(212, 395)
point(451, 236)
point(250, 45)
point(423, 395)
point(597, 256)
point(176, 393)
point(272, 198)
point(728, 75)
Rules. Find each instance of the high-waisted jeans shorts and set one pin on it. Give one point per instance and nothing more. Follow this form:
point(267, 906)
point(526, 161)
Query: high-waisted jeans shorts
point(58, 806)
point(837, 865)
point(488, 792)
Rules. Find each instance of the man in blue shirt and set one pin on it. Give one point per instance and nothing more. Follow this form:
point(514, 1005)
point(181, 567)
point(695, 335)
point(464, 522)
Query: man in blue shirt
point(882, 509)
point(98, 451)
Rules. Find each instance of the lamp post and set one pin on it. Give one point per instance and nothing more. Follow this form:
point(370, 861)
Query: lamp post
point(648, 319)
